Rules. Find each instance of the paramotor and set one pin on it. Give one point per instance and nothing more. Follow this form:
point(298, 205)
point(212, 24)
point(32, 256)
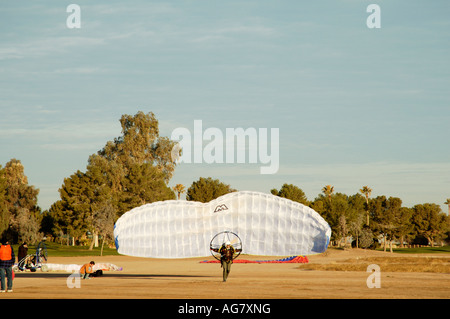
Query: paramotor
point(220, 239)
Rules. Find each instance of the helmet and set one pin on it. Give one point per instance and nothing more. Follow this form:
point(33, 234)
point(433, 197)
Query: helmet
point(227, 243)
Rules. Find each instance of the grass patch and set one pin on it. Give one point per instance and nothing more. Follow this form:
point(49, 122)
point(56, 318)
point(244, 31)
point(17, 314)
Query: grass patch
point(58, 250)
point(422, 250)
point(387, 264)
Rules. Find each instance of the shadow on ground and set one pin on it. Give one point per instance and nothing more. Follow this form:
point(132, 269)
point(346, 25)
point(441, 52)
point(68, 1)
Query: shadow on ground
point(110, 275)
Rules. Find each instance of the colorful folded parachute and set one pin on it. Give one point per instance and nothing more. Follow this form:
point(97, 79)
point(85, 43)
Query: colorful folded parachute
point(268, 225)
point(75, 267)
point(292, 260)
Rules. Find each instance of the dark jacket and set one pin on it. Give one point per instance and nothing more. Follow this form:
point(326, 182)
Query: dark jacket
point(23, 252)
point(7, 256)
point(227, 254)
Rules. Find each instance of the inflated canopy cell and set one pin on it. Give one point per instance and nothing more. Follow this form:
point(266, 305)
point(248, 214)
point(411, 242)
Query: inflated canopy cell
point(267, 225)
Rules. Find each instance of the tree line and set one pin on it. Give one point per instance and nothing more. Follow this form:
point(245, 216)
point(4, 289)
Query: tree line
point(365, 220)
point(136, 167)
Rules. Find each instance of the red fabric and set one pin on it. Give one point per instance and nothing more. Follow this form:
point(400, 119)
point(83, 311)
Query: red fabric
point(292, 260)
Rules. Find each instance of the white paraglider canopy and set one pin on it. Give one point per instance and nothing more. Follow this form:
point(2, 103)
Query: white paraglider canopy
point(267, 225)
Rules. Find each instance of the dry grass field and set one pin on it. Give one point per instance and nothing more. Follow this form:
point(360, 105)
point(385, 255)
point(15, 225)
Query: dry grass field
point(336, 274)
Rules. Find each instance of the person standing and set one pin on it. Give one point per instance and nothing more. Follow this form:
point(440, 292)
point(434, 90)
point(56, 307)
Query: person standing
point(227, 252)
point(23, 252)
point(7, 259)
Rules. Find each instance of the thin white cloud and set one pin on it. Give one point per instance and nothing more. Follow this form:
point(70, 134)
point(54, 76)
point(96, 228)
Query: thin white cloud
point(252, 30)
point(79, 70)
point(70, 146)
point(43, 110)
point(62, 132)
point(125, 9)
point(226, 33)
point(47, 46)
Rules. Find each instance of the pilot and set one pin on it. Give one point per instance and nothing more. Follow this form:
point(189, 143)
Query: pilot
point(227, 252)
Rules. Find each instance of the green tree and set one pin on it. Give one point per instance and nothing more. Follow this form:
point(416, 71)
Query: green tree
point(179, 189)
point(430, 222)
point(130, 171)
point(356, 220)
point(72, 213)
point(207, 189)
point(447, 202)
point(143, 184)
point(291, 192)
point(4, 212)
point(328, 191)
point(340, 211)
point(136, 167)
point(140, 143)
point(26, 226)
point(22, 218)
point(103, 223)
point(366, 191)
point(385, 214)
point(365, 237)
point(405, 227)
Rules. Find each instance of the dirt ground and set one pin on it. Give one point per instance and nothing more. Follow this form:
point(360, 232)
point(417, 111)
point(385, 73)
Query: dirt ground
point(145, 278)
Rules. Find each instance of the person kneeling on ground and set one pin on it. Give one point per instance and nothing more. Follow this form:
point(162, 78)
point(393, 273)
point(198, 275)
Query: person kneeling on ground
point(87, 269)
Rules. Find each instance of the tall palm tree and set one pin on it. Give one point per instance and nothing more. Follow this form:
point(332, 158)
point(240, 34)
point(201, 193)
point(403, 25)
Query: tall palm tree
point(447, 202)
point(366, 191)
point(179, 188)
point(328, 190)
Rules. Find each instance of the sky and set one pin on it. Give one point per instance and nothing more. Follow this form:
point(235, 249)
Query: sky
point(354, 105)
